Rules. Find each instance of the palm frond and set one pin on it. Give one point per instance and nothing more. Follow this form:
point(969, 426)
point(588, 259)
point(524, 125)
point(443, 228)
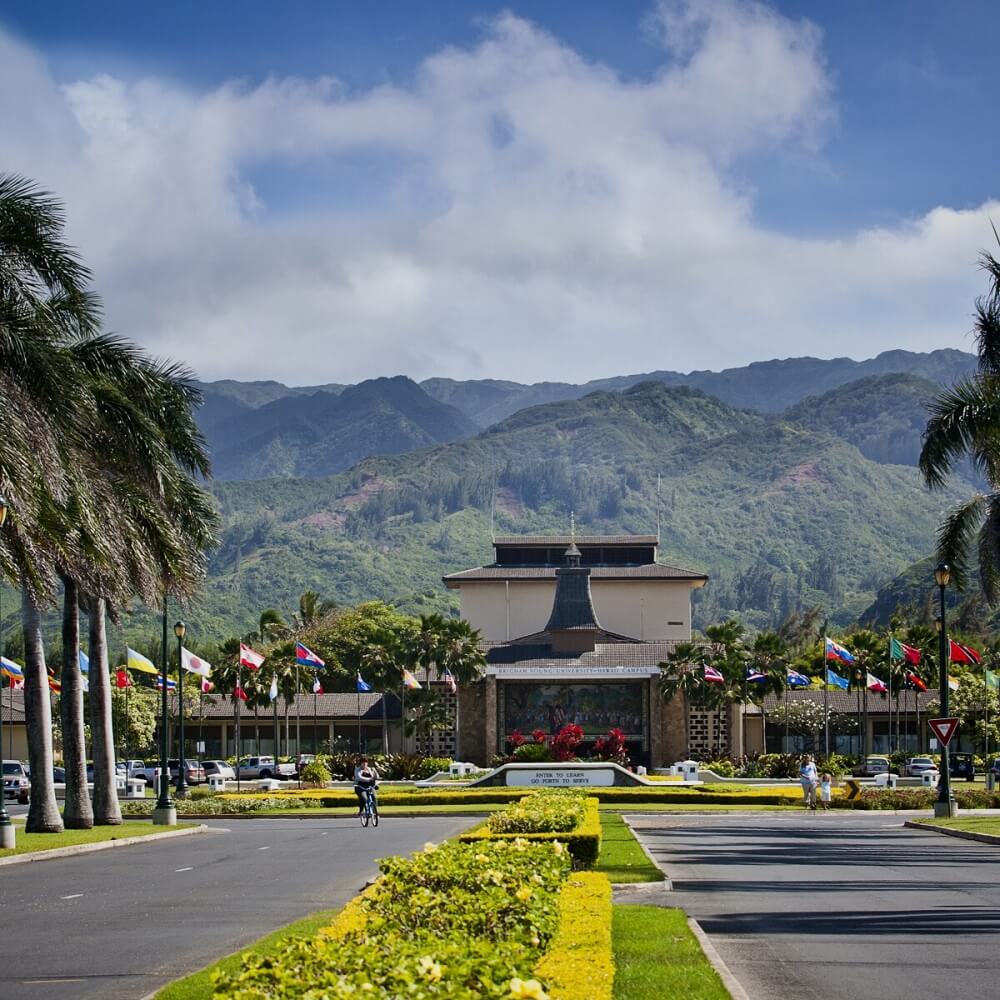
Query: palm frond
point(956, 534)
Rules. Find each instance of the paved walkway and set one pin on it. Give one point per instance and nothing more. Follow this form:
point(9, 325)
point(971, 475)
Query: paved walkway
point(839, 906)
point(120, 924)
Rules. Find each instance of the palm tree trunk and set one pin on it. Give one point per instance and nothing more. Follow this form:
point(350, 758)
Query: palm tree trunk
point(43, 813)
point(107, 812)
point(77, 811)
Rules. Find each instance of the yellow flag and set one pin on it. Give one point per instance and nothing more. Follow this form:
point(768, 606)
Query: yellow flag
point(136, 661)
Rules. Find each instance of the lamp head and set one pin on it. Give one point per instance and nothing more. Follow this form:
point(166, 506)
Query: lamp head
point(942, 574)
point(4, 506)
point(179, 629)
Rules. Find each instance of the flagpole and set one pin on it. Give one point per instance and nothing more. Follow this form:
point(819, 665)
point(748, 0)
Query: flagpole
point(785, 748)
point(315, 696)
point(298, 717)
point(237, 699)
point(277, 730)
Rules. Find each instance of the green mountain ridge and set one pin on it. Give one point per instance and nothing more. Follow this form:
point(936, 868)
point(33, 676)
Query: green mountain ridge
point(778, 514)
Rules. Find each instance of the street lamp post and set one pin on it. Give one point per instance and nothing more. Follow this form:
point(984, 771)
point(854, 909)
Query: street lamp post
point(945, 804)
point(165, 813)
point(7, 836)
point(182, 784)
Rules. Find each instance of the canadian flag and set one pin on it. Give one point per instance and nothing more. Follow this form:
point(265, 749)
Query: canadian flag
point(317, 687)
point(206, 686)
point(196, 666)
point(250, 659)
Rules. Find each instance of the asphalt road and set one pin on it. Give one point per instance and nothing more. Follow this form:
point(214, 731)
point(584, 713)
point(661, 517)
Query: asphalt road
point(838, 906)
point(122, 923)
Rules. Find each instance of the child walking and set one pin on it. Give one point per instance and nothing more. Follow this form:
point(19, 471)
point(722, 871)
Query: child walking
point(825, 788)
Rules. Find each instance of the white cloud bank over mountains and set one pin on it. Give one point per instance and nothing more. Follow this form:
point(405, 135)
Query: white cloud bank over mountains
point(516, 211)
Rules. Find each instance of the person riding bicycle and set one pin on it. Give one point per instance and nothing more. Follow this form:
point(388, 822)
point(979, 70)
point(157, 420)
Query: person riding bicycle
point(365, 781)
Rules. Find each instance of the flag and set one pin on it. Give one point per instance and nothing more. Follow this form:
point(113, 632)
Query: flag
point(963, 654)
point(206, 686)
point(913, 682)
point(410, 681)
point(992, 680)
point(755, 676)
point(85, 684)
point(8, 668)
point(797, 680)
point(952, 683)
point(362, 685)
point(136, 661)
point(836, 680)
point(900, 651)
point(273, 693)
point(317, 687)
point(449, 680)
point(191, 663)
point(874, 684)
point(84, 662)
point(53, 683)
point(305, 656)
point(834, 651)
point(122, 679)
point(250, 659)
point(712, 676)
point(240, 693)
point(171, 683)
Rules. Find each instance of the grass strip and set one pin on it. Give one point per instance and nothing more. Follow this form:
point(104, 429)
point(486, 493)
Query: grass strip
point(622, 859)
point(199, 985)
point(657, 956)
point(30, 842)
point(968, 824)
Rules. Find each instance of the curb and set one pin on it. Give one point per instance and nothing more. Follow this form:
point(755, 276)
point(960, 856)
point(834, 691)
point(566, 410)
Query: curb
point(320, 815)
point(731, 983)
point(101, 845)
point(982, 838)
point(667, 884)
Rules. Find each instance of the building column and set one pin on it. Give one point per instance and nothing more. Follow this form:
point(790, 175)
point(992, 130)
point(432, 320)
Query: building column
point(492, 746)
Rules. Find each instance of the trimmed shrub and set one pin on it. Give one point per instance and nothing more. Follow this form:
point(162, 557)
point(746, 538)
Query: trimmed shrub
point(542, 812)
point(315, 773)
point(580, 963)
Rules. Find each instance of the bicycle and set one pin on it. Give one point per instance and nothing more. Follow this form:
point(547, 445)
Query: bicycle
point(369, 812)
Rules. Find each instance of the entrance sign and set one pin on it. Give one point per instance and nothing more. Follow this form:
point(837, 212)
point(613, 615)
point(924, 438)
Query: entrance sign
point(561, 777)
point(558, 671)
point(944, 729)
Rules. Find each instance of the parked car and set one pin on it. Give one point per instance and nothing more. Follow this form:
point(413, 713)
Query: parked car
point(993, 766)
point(220, 768)
point(195, 773)
point(917, 766)
point(874, 764)
point(15, 781)
point(962, 765)
point(265, 767)
point(302, 760)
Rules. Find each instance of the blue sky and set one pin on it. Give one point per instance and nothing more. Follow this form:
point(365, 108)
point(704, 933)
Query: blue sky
point(815, 130)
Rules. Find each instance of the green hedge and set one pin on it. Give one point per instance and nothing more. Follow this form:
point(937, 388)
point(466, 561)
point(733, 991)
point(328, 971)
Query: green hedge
point(584, 843)
point(460, 921)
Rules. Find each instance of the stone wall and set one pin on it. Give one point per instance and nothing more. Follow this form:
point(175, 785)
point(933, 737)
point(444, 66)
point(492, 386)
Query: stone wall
point(709, 733)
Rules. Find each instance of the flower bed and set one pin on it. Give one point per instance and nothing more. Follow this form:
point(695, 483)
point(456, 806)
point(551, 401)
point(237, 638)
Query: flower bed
point(461, 921)
point(212, 805)
point(583, 840)
point(550, 811)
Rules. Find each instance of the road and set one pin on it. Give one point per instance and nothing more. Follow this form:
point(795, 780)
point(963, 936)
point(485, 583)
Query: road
point(121, 923)
point(838, 906)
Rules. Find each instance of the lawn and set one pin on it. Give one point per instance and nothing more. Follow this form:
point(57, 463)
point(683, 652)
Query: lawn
point(657, 956)
point(27, 842)
point(198, 985)
point(968, 824)
point(621, 857)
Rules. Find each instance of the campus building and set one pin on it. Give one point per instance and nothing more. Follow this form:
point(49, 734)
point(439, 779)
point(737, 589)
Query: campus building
point(575, 628)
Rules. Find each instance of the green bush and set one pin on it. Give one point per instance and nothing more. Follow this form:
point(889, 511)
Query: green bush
point(540, 812)
point(532, 753)
point(315, 773)
point(215, 805)
point(723, 768)
point(456, 921)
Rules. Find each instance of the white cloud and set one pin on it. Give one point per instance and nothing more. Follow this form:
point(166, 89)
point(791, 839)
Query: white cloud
point(527, 214)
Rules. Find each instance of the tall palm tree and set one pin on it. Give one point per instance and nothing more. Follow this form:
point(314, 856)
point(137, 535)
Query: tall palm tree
point(681, 675)
point(312, 607)
point(461, 654)
point(965, 423)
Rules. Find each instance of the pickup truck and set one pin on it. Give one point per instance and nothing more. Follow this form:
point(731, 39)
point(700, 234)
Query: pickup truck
point(265, 767)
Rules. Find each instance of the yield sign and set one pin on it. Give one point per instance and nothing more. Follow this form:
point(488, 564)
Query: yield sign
point(944, 729)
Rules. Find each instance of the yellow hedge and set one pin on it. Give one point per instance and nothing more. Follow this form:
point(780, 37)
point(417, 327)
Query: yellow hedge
point(584, 843)
point(579, 964)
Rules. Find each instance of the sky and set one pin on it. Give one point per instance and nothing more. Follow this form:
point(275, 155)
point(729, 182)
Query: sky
point(326, 191)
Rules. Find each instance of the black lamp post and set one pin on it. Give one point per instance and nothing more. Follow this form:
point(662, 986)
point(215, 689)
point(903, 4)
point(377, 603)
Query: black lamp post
point(182, 784)
point(7, 835)
point(945, 804)
point(165, 812)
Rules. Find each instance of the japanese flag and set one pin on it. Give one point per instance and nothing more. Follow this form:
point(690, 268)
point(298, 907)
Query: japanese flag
point(191, 662)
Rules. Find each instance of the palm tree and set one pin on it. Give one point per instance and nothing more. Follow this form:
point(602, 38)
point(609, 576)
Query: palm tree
point(681, 676)
point(311, 608)
point(965, 422)
point(461, 654)
point(78, 814)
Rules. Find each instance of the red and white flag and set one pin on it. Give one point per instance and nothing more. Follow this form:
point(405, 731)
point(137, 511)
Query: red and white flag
point(250, 659)
point(206, 686)
point(713, 676)
point(449, 679)
point(240, 693)
point(317, 687)
point(193, 664)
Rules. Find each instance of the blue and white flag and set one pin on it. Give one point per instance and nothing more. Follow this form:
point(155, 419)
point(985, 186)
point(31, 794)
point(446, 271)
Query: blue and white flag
point(84, 662)
point(171, 683)
point(363, 685)
point(755, 676)
point(797, 680)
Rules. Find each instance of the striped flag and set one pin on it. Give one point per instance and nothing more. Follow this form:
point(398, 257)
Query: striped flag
point(305, 656)
point(963, 654)
point(171, 683)
point(900, 651)
point(834, 651)
point(874, 684)
point(8, 668)
point(317, 687)
point(713, 676)
point(136, 661)
point(240, 693)
point(409, 681)
point(250, 659)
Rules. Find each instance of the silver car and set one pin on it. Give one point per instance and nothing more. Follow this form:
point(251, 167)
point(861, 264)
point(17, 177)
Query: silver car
point(916, 766)
point(219, 767)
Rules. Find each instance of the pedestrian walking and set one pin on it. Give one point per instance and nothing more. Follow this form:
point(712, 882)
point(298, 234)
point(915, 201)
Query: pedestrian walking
point(825, 789)
point(809, 777)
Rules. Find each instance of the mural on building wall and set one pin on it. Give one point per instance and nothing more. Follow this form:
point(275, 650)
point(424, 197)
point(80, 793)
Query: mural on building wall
point(596, 708)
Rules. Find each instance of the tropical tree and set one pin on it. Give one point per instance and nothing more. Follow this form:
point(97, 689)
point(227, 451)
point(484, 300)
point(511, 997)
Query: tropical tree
point(682, 675)
point(965, 423)
point(312, 607)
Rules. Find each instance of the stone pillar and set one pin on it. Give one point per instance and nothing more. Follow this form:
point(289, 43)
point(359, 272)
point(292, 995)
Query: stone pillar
point(736, 737)
point(490, 722)
point(655, 724)
point(472, 723)
point(672, 720)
